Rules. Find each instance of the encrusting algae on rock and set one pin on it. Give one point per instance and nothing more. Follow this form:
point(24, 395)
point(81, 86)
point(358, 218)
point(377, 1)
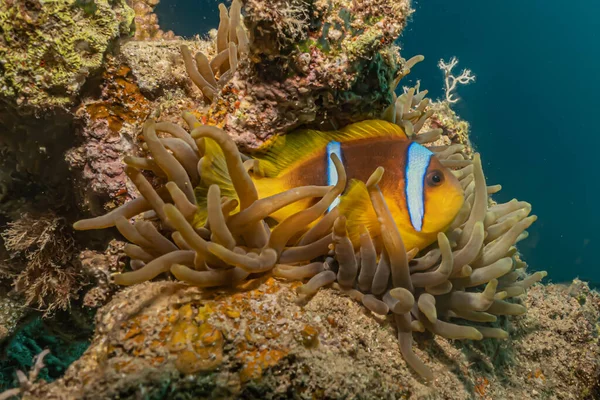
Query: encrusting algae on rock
point(467, 276)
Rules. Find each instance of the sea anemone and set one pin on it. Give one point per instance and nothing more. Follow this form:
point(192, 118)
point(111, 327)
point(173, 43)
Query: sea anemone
point(468, 275)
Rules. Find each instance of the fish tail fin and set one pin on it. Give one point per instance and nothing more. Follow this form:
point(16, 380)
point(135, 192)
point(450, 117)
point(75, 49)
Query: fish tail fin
point(356, 205)
point(213, 171)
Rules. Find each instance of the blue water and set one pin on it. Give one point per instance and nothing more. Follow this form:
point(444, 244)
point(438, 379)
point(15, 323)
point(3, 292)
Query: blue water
point(532, 109)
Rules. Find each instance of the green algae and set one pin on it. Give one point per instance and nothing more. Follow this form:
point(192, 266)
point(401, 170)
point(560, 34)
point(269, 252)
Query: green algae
point(364, 44)
point(307, 45)
point(48, 49)
point(30, 340)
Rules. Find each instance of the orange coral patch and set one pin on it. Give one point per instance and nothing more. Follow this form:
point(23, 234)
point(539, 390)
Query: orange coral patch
point(231, 313)
point(183, 334)
point(310, 337)
point(257, 361)
point(481, 386)
point(126, 104)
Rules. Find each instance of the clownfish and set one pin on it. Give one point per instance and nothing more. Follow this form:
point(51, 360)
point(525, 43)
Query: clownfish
point(423, 196)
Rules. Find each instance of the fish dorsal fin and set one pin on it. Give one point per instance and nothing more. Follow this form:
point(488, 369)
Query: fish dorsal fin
point(356, 205)
point(288, 150)
point(213, 171)
point(374, 128)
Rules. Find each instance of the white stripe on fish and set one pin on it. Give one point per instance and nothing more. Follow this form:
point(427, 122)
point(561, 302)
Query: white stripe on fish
point(332, 175)
point(417, 162)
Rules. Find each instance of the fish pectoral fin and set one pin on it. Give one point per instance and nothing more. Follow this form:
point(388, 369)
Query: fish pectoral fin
point(356, 205)
point(213, 171)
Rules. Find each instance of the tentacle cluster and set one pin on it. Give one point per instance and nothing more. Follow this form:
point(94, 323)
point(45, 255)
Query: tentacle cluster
point(231, 44)
point(231, 246)
point(452, 288)
point(411, 109)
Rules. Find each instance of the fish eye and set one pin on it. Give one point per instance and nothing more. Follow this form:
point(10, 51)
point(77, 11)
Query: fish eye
point(435, 178)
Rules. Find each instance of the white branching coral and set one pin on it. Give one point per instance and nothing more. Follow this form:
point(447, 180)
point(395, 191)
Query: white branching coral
point(25, 382)
point(450, 81)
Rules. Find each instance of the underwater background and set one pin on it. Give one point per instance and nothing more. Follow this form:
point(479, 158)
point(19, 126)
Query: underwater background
point(530, 115)
point(531, 108)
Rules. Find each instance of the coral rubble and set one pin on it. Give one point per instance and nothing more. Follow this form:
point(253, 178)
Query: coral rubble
point(11, 313)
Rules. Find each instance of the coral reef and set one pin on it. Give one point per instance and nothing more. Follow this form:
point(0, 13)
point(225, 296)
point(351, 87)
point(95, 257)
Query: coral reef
point(50, 48)
point(48, 51)
point(279, 66)
point(166, 340)
point(317, 64)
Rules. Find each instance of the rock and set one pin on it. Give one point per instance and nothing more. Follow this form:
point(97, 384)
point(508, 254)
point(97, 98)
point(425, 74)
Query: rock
point(52, 47)
point(315, 64)
point(48, 52)
point(12, 311)
point(168, 340)
point(143, 80)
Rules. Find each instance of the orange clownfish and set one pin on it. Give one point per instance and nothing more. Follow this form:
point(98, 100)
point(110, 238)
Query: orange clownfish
point(423, 196)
